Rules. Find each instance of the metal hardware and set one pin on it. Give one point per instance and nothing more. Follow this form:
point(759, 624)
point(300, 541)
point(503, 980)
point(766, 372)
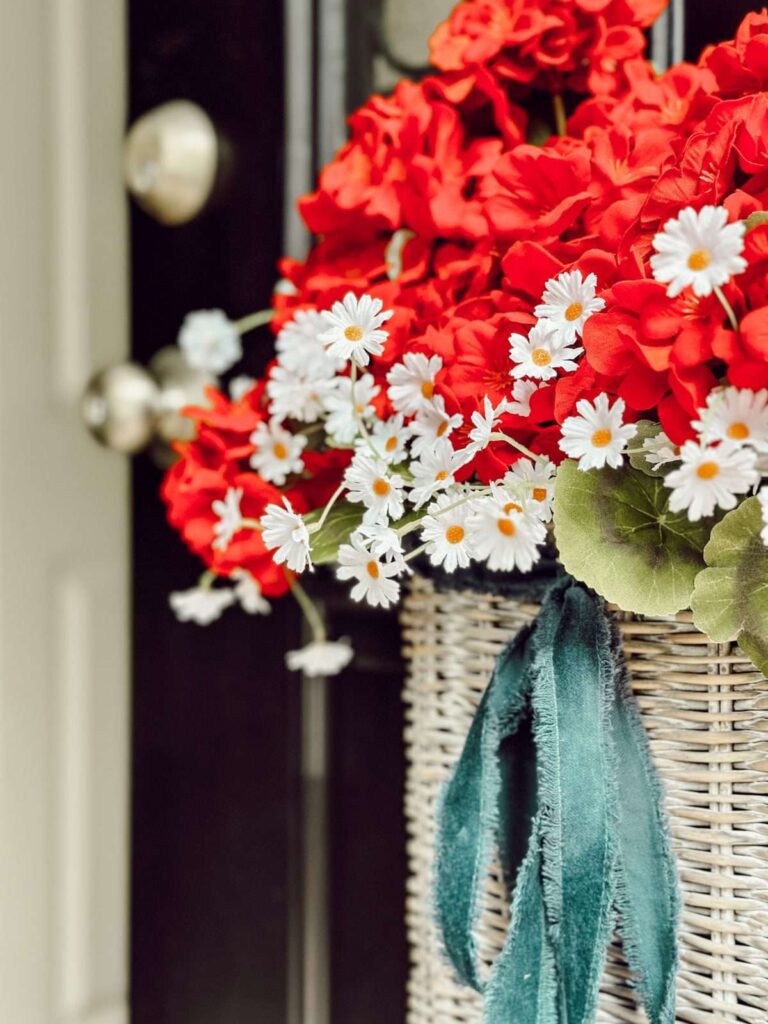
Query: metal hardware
point(128, 408)
point(171, 158)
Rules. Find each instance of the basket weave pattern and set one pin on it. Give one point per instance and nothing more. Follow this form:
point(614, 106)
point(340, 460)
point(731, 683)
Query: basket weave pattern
point(706, 711)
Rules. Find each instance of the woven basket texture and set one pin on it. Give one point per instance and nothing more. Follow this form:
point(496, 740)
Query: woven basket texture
point(706, 712)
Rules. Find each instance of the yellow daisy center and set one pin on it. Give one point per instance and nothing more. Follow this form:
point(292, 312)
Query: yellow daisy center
point(574, 311)
point(280, 451)
point(506, 527)
point(381, 488)
point(373, 570)
point(602, 438)
point(708, 470)
point(353, 333)
point(441, 475)
point(738, 431)
point(442, 428)
point(699, 259)
point(454, 534)
point(427, 389)
point(391, 444)
point(512, 506)
point(541, 357)
point(539, 493)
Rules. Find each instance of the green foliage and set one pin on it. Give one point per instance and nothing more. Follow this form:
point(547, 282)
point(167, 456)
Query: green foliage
point(639, 459)
point(615, 533)
point(730, 601)
point(343, 518)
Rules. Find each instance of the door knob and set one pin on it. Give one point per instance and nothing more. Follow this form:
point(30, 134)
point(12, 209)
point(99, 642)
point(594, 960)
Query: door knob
point(129, 408)
point(171, 159)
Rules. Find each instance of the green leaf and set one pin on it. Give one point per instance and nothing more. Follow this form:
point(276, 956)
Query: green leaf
point(645, 429)
point(615, 533)
point(730, 601)
point(342, 520)
point(756, 219)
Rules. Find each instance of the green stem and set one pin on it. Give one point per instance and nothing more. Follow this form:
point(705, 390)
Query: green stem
point(415, 553)
point(727, 307)
point(561, 120)
point(499, 436)
point(310, 611)
point(334, 498)
point(254, 320)
point(250, 524)
point(206, 580)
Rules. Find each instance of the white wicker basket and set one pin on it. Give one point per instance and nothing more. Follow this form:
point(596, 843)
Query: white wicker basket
point(706, 711)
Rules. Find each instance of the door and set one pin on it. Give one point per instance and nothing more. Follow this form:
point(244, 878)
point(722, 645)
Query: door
point(64, 560)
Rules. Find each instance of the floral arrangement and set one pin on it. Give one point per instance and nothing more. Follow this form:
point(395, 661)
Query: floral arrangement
point(537, 308)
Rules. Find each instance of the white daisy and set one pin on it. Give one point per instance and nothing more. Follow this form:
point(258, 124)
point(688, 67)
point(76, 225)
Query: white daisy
point(298, 394)
point(446, 533)
point(230, 518)
point(431, 424)
point(346, 405)
point(598, 436)
point(278, 452)
point(248, 593)
point(387, 438)
point(534, 482)
point(374, 577)
point(285, 532)
point(542, 353)
point(371, 482)
point(484, 424)
point(568, 302)
point(522, 391)
point(210, 341)
point(240, 386)
point(201, 605)
point(298, 344)
point(320, 658)
point(700, 249)
point(504, 534)
point(384, 541)
point(412, 382)
point(434, 471)
point(709, 478)
point(353, 329)
point(762, 497)
point(736, 415)
point(659, 450)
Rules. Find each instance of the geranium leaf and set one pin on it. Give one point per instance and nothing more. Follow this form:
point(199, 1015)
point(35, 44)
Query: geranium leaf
point(342, 520)
point(730, 599)
point(639, 459)
point(615, 533)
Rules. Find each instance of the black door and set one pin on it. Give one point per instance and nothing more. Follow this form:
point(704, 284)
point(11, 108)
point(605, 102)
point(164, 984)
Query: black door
point(268, 841)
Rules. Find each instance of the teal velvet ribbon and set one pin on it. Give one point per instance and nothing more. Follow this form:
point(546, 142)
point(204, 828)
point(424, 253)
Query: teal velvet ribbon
point(556, 778)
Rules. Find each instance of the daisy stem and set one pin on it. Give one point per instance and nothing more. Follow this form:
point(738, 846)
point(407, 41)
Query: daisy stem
point(727, 307)
point(499, 436)
point(250, 524)
point(254, 320)
point(313, 428)
point(558, 107)
point(315, 527)
point(410, 527)
point(358, 418)
point(416, 552)
point(310, 611)
point(206, 580)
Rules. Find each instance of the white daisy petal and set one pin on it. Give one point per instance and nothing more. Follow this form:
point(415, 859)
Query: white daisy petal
point(201, 605)
point(374, 581)
point(412, 382)
point(230, 518)
point(285, 532)
point(504, 533)
point(710, 478)
point(736, 415)
point(568, 301)
point(371, 482)
point(353, 329)
point(321, 658)
point(278, 452)
point(445, 532)
point(542, 353)
point(598, 436)
point(210, 341)
point(700, 250)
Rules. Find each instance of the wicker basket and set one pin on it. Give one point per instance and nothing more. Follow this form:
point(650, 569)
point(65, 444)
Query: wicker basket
point(706, 711)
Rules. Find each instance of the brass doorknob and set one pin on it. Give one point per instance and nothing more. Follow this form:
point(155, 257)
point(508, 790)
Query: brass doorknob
point(128, 408)
point(171, 159)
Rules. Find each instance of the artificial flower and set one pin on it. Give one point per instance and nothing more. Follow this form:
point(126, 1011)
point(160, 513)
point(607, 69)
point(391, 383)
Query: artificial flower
point(383, 540)
point(597, 436)
point(535, 484)
point(285, 533)
point(299, 394)
point(371, 482)
point(542, 353)
point(374, 577)
point(522, 392)
point(568, 301)
point(278, 452)
point(412, 382)
point(699, 249)
point(248, 592)
point(483, 425)
point(387, 439)
point(353, 329)
point(299, 347)
point(710, 477)
point(347, 405)
point(230, 517)
point(210, 341)
point(444, 531)
point(320, 658)
point(503, 534)
point(432, 423)
point(736, 415)
point(659, 450)
point(201, 605)
point(434, 471)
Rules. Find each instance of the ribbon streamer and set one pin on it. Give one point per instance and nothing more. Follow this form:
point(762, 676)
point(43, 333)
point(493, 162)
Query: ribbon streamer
point(556, 778)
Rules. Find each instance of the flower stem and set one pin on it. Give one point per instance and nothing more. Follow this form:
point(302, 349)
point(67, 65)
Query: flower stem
point(206, 580)
point(315, 527)
point(254, 320)
point(727, 307)
point(416, 552)
point(310, 611)
point(499, 436)
point(250, 524)
point(558, 107)
point(358, 418)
